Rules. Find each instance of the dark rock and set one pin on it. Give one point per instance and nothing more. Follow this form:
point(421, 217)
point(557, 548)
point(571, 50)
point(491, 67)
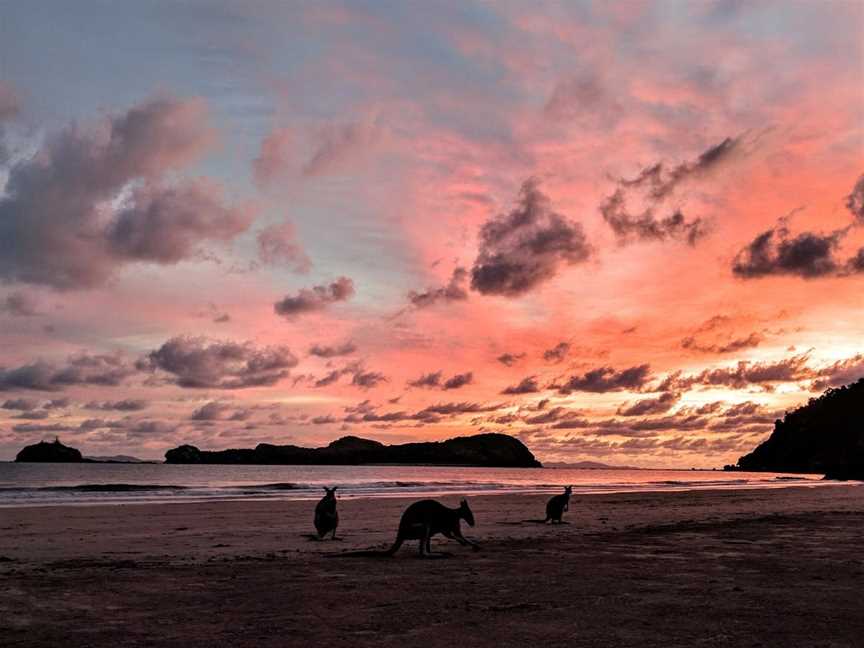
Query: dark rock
point(497, 450)
point(53, 452)
point(824, 436)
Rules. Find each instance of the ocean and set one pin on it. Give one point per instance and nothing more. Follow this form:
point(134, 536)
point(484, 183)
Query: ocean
point(34, 484)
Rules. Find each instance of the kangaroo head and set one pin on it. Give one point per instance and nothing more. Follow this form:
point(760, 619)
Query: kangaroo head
point(568, 490)
point(331, 492)
point(465, 512)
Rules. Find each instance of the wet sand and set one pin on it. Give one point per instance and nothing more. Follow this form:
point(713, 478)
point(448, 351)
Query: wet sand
point(778, 567)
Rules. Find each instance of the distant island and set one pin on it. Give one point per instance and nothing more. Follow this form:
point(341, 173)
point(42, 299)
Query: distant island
point(588, 465)
point(487, 450)
point(824, 436)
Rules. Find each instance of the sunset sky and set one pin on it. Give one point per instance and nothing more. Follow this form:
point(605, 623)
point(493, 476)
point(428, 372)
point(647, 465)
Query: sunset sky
point(623, 232)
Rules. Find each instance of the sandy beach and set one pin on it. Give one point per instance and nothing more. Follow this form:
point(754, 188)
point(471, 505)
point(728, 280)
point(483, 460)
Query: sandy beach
point(747, 568)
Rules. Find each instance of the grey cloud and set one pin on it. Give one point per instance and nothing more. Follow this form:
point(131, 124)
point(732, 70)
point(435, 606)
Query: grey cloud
point(19, 304)
point(660, 405)
point(197, 362)
point(165, 224)
point(855, 201)
point(317, 298)
point(81, 369)
point(521, 250)
point(277, 245)
point(607, 379)
point(510, 359)
point(21, 404)
point(528, 385)
point(737, 344)
point(125, 405)
point(455, 290)
point(656, 185)
point(53, 226)
point(557, 353)
point(333, 351)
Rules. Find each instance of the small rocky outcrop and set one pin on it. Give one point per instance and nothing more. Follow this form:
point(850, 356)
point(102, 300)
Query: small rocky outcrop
point(49, 452)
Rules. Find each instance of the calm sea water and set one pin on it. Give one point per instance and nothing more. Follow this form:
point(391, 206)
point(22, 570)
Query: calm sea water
point(80, 484)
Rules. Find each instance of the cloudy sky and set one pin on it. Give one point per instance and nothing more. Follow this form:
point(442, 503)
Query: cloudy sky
point(628, 232)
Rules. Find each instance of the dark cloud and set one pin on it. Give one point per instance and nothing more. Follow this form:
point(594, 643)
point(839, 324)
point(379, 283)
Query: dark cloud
point(328, 379)
point(197, 362)
point(317, 298)
point(19, 304)
point(660, 405)
point(57, 403)
point(166, 224)
point(777, 252)
point(839, 373)
point(435, 380)
point(553, 415)
point(455, 290)
point(527, 385)
point(212, 411)
point(367, 379)
point(10, 107)
point(736, 344)
point(744, 374)
point(855, 201)
point(333, 351)
point(360, 376)
point(510, 359)
point(125, 405)
point(810, 255)
point(277, 245)
point(557, 353)
point(458, 381)
point(21, 404)
point(429, 380)
point(525, 248)
point(607, 379)
point(654, 187)
point(323, 420)
point(81, 369)
point(55, 227)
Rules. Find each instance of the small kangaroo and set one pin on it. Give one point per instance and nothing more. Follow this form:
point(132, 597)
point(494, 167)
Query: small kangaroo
point(326, 517)
point(425, 518)
point(556, 506)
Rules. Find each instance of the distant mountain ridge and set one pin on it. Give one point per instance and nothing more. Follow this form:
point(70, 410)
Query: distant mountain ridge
point(824, 436)
point(489, 450)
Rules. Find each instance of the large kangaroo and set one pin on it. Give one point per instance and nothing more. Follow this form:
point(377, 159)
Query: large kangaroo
point(557, 505)
point(326, 517)
point(425, 518)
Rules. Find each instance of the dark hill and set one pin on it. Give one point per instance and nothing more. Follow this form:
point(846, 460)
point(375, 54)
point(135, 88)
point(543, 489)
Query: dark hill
point(824, 436)
point(497, 450)
point(45, 452)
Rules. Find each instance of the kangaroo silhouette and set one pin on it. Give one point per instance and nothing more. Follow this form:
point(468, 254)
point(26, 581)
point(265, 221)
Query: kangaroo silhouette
point(423, 519)
point(326, 517)
point(557, 505)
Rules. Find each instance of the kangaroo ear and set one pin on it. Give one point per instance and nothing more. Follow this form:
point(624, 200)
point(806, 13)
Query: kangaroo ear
point(334, 488)
point(326, 490)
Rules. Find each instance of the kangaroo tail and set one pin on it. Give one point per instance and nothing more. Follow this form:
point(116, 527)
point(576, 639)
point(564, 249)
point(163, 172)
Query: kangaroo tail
point(371, 553)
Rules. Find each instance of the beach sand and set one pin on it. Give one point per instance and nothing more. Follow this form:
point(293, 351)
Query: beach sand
point(781, 567)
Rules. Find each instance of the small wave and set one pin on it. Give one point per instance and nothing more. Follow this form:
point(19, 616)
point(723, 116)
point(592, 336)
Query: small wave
point(275, 487)
point(97, 488)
